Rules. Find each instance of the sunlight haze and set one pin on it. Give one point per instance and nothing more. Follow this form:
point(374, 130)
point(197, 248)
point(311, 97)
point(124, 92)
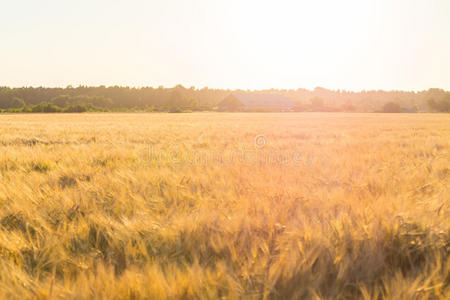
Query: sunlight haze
point(352, 45)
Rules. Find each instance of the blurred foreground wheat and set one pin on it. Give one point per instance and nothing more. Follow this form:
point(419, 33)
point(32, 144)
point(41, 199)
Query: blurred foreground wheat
point(87, 211)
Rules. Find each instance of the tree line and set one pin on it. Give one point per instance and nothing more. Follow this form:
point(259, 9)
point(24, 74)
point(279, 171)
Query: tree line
point(179, 98)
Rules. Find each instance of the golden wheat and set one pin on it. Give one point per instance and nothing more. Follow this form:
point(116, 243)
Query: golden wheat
point(209, 205)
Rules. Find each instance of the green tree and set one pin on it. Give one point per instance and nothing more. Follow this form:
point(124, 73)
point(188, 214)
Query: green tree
point(442, 105)
point(17, 102)
point(348, 107)
point(391, 107)
point(194, 104)
point(45, 107)
point(317, 103)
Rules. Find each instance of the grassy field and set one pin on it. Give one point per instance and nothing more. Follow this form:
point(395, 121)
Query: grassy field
point(218, 205)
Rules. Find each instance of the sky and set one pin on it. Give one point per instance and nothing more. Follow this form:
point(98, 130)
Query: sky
point(347, 44)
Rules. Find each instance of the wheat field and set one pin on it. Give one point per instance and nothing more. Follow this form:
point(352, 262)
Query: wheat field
point(225, 205)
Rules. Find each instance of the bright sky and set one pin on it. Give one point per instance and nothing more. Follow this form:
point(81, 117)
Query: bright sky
point(347, 44)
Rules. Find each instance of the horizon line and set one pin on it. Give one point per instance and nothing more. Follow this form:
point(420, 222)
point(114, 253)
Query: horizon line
point(223, 89)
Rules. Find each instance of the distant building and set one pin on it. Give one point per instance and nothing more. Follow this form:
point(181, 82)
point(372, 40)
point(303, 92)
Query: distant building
point(255, 102)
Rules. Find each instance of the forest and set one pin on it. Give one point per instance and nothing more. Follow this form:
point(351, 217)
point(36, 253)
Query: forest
point(179, 99)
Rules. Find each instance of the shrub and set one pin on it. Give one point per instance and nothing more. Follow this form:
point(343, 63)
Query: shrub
point(175, 110)
point(45, 107)
point(391, 107)
point(77, 108)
